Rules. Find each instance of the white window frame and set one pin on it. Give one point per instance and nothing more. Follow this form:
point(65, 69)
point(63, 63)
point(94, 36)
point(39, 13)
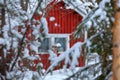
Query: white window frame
point(52, 40)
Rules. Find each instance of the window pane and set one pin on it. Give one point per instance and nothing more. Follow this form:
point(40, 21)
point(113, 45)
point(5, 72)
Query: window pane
point(62, 42)
point(44, 45)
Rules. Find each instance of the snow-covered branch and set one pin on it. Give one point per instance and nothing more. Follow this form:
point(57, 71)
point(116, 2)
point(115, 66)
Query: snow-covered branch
point(70, 56)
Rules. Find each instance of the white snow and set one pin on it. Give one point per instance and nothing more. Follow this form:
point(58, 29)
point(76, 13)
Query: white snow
point(5, 35)
point(34, 45)
point(28, 75)
point(92, 58)
point(82, 7)
point(52, 55)
point(15, 43)
point(1, 2)
point(26, 53)
point(17, 34)
point(31, 8)
point(45, 25)
point(103, 2)
point(55, 24)
point(2, 41)
point(45, 3)
point(119, 3)
point(33, 48)
point(73, 52)
point(110, 57)
point(35, 31)
point(89, 24)
point(86, 35)
point(56, 77)
point(52, 19)
point(98, 12)
point(8, 43)
point(60, 74)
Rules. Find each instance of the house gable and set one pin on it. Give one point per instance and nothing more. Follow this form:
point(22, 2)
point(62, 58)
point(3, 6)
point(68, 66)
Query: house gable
point(62, 20)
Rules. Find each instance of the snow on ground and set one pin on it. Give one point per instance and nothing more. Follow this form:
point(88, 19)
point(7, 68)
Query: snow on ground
point(56, 77)
point(60, 74)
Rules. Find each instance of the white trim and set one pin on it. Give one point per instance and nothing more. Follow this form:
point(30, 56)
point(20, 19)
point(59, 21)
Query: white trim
point(58, 35)
point(67, 36)
point(53, 36)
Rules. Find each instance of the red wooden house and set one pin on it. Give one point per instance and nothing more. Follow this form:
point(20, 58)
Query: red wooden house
point(61, 22)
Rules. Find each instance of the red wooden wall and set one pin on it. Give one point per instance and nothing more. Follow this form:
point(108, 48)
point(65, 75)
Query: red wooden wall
point(66, 19)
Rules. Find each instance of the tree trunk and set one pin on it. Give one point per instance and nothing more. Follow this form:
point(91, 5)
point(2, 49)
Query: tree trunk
point(3, 66)
point(116, 43)
point(2, 18)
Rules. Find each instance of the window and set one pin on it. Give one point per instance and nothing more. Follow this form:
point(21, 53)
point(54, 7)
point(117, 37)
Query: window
point(62, 40)
point(44, 45)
